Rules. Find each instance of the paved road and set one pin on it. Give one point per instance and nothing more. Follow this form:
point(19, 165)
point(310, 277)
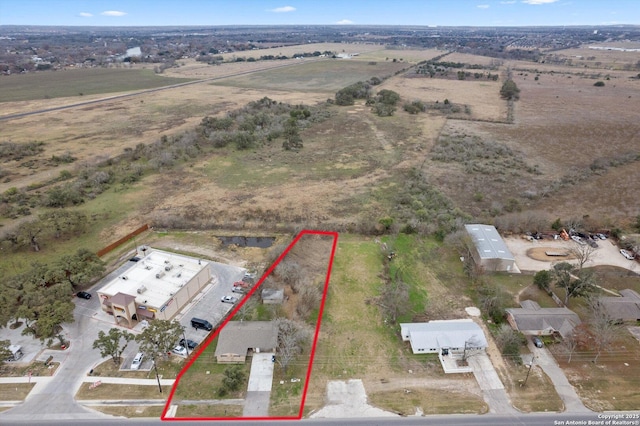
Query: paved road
point(543, 358)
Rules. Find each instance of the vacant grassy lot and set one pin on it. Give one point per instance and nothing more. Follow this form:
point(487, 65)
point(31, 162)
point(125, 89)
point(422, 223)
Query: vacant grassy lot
point(355, 342)
point(120, 391)
point(612, 382)
point(56, 84)
point(130, 412)
point(535, 393)
point(411, 401)
point(15, 391)
point(326, 76)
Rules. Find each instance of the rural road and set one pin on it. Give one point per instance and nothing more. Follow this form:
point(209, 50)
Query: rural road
point(146, 91)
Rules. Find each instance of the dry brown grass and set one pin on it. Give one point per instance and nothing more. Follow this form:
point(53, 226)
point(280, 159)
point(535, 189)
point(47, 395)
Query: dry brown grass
point(130, 412)
point(536, 394)
point(612, 382)
point(467, 58)
point(483, 97)
point(307, 48)
point(15, 391)
point(120, 391)
point(416, 401)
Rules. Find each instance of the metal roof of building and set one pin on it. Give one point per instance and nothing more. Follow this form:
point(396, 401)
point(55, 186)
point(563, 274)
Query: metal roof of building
point(488, 241)
point(444, 334)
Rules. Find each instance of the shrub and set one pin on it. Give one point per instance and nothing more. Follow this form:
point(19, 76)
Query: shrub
point(599, 83)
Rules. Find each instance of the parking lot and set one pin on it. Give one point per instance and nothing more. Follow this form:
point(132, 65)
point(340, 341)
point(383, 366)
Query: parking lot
point(90, 319)
point(607, 253)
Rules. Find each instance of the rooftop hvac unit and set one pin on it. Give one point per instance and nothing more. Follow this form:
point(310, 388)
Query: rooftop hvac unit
point(141, 289)
point(168, 267)
point(160, 274)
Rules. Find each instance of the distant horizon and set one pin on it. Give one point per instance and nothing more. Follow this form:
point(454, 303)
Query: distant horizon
point(403, 13)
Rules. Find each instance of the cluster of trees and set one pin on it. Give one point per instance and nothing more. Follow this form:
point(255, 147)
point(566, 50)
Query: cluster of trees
point(54, 225)
point(42, 295)
point(384, 103)
point(509, 90)
point(349, 94)
point(156, 340)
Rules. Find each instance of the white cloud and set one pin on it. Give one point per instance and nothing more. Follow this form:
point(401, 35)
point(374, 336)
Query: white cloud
point(86, 14)
point(283, 9)
point(344, 22)
point(539, 1)
point(483, 6)
point(508, 2)
point(113, 13)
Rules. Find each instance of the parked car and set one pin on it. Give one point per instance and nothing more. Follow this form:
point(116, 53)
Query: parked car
point(626, 254)
point(188, 343)
point(179, 350)
point(198, 323)
point(537, 341)
point(592, 243)
point(602, 236)
point(83, 295)
point(578, 239)
point(238, 290)
point(229, 299)
point(137, 361)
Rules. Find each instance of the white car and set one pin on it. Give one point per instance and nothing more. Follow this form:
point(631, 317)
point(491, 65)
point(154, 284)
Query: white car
point(179, 350)
point(578, 240)
point(229, 299)
point(137, 361)
point(626, 254)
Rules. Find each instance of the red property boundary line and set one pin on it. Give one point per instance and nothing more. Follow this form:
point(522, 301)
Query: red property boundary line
point(235, 310)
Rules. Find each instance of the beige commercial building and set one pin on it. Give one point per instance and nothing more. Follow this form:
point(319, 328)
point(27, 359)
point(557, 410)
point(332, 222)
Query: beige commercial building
point(155, 287)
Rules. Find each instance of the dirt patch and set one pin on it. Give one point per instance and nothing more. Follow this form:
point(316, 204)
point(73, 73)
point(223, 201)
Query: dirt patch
point(543, 254)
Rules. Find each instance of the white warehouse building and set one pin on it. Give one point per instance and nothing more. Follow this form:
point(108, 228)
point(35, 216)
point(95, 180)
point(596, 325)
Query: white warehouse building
point(491, 252)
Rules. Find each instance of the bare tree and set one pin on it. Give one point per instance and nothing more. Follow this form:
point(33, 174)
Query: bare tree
point(582, 253)
point(247, 309)
point(292, 337)
point(470, 344)
point(394, 298)
point(569, 345)
point(603, 327)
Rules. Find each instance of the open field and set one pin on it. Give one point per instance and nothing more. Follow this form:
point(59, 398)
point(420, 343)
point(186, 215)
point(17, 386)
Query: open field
point(584, 57)
point(289, 51)
point(323, 75)
point(404, 55)
point(56, 84)
point(483, 97)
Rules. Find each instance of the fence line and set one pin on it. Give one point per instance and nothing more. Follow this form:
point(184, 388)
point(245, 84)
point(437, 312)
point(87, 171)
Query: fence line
point(122, 240)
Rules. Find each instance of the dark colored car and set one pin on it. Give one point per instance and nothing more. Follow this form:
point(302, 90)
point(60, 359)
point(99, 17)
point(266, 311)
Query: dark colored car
point(83, 295)
point(189, 343)
point(537, 341)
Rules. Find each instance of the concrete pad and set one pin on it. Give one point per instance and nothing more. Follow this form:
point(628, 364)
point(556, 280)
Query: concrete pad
point(261, 376)
point(348, 399)
point(484, 372)
point(256, 404)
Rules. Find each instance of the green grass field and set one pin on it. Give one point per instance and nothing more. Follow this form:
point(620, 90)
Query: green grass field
point(319, 76)
point(60, 84)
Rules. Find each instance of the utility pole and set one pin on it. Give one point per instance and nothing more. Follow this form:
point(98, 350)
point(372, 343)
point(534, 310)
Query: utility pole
point(186, 342)
point(529, 372)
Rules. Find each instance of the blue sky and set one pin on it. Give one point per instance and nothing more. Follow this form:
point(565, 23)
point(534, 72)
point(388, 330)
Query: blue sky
point(320, 12)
